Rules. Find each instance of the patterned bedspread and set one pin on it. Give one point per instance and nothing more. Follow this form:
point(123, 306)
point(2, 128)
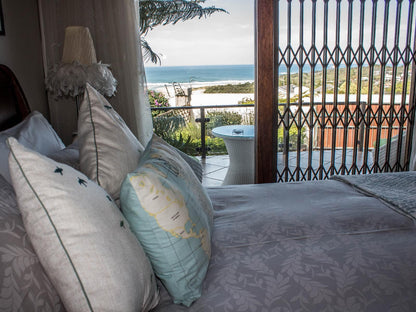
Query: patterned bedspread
point(396, 189)
point(314, 246)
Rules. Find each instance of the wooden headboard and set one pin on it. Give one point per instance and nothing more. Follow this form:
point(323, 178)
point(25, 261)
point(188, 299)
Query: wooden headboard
point(13, 104)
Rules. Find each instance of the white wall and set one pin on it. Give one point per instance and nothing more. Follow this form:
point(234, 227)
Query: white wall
point(20, 49)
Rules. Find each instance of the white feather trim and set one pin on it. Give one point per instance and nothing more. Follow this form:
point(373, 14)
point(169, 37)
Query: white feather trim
point(71, 78)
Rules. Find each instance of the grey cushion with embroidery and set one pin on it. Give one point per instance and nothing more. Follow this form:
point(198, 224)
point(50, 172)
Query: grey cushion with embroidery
point(80, 236)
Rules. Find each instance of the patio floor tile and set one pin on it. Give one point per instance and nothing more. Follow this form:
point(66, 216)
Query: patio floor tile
point(215, 167)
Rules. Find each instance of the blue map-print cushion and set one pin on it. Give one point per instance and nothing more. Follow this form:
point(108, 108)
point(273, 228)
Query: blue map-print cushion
point(171, 215)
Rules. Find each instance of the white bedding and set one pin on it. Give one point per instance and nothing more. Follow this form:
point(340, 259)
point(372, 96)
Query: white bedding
point(310, 246)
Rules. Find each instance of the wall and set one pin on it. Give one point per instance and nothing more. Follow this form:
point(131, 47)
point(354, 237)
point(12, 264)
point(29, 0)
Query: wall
point(21, 50)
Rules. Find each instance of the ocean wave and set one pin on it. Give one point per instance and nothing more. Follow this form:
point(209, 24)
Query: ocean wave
point(195, 84)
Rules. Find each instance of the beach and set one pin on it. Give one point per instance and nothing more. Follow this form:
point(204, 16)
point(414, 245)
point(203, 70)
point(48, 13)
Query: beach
point(193, 79)
point(199, 98)
point(197, 78)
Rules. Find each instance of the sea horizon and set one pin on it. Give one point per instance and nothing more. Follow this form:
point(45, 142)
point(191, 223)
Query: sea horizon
point(196, 75)
point(205, 75)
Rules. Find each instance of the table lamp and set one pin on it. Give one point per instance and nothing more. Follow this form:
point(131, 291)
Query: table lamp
point(79, 66)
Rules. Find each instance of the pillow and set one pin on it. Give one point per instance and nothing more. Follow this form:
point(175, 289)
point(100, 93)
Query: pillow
point(68, 156)
point(24, 284)
point(108, 149)
point(194, 163)
point(35, 133)
point(171, 215)
point(80, 236)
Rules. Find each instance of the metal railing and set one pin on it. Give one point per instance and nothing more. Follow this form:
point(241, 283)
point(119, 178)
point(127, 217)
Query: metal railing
point(344, 56)
point(203, 149)
point(330, 131)
point(357, 62)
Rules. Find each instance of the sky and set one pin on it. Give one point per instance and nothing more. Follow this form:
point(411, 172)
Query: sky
point(218, 40)
point(229, 38)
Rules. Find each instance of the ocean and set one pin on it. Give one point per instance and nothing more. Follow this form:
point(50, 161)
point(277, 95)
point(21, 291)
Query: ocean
point(198, 75)
point(159, 76)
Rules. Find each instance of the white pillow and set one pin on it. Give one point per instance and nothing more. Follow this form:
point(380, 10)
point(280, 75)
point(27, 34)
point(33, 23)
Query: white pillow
point(34, 132)
point(108, 149)
point(81, 238)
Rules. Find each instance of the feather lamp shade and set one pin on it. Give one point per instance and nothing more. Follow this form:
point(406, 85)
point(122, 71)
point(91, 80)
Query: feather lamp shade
point(79, 66)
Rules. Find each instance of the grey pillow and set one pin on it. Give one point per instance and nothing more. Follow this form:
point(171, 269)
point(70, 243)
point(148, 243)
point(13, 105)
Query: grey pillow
point(24, 284)
point(34, 132)
point(68, 156)
point(108, 149)
point(80, 236)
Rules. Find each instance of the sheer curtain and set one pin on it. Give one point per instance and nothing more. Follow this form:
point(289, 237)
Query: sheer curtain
point(114, 27)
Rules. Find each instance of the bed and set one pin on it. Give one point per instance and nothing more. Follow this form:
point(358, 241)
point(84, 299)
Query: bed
point(345, 244)
point(310, 246)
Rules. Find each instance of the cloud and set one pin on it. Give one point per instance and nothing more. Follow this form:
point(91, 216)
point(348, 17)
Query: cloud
point(219, 39)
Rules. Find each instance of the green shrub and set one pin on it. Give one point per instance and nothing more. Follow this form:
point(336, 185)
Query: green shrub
point(293, 138)
point(222, 118)
point(192, 132)
point(216, 145)
point(166, 126)
point(247, 87)
point(169, 129)
point(187, 136)
point(157, 99)
point(191, 129)
point(246, 101)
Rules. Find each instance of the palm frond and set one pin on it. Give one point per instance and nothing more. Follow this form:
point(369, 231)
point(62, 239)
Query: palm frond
point(162, 12)
point(148, 53)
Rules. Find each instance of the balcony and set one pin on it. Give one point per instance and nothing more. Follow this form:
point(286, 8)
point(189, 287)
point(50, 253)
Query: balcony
point(190, 129)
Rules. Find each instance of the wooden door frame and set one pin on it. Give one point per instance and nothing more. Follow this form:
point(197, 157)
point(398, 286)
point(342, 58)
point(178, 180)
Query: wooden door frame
point(265, 93)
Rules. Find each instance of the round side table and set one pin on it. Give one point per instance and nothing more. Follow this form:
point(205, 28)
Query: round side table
point(239, 141)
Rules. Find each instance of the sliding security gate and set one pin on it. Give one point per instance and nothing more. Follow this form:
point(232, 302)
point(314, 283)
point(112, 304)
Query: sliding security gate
point(343, 86)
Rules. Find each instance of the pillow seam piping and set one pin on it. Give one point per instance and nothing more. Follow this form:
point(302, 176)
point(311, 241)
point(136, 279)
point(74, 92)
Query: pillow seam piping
point(95, 140)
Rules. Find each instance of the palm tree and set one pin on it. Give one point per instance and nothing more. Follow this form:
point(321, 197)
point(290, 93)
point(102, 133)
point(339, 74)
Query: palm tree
point(162, 12)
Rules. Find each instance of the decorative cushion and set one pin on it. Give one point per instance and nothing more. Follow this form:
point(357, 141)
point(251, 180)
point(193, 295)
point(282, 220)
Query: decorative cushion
point(68, 156)
point(25, 285)
point(171, 215)
point(108, 149)
point(34, 132)
point(80, 236)
point(194, 163)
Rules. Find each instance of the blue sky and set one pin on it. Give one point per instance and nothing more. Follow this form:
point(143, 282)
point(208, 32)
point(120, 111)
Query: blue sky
point(217, 40)
point(229, 38)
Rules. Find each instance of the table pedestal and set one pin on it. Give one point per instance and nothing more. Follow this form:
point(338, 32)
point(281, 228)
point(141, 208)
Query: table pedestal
point(239, 141)
point(241, 169)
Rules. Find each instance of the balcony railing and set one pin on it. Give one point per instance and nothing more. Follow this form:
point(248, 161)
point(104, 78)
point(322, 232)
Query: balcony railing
point(344, 138)
point(199, 115)
point(343, 53)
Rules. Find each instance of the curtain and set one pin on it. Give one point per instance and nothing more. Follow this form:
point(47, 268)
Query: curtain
point(114, 27)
